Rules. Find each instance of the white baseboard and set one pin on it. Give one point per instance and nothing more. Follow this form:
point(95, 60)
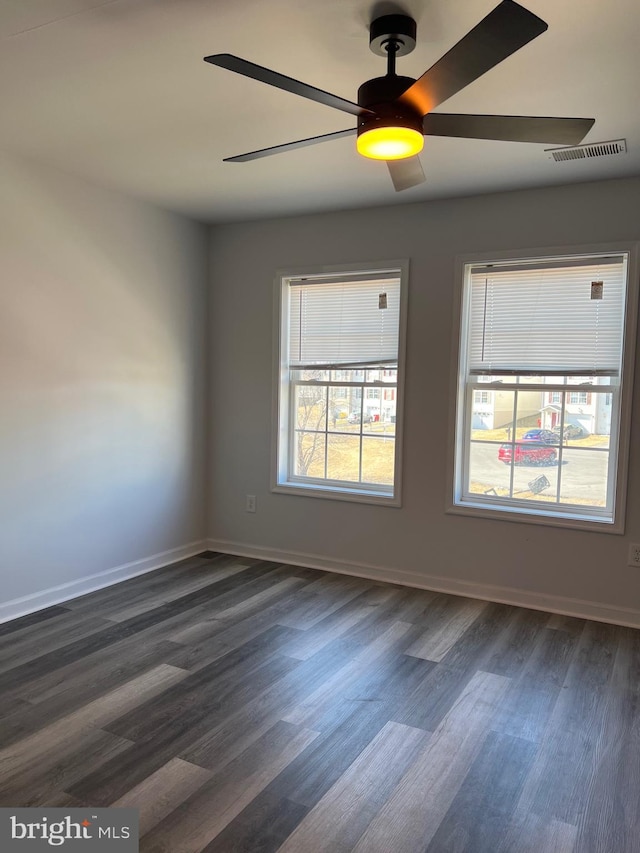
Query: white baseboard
point(454, 586)
point(66, 591)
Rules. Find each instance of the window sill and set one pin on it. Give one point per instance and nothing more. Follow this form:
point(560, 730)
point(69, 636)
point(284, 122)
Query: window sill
point(337, 494)
point(574, 520)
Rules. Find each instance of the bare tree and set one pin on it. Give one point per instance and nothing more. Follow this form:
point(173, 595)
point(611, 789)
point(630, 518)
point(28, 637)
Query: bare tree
point(311, 412)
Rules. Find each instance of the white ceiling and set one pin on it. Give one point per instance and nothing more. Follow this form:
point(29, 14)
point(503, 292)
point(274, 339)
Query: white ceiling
point(116, 91)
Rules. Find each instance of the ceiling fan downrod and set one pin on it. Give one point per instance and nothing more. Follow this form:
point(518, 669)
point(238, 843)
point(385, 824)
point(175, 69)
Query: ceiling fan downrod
point(392, 49)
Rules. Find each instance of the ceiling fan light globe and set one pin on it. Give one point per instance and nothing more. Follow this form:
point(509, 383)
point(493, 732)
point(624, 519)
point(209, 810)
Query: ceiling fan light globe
point(390, 143)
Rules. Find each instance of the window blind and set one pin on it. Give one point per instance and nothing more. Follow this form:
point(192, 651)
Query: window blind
point(543, 320)
point(347, 323)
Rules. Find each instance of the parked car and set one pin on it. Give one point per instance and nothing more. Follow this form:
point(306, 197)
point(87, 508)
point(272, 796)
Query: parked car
point(546, 436)
point(570, 431)
point(354, 418)
point(528, 453)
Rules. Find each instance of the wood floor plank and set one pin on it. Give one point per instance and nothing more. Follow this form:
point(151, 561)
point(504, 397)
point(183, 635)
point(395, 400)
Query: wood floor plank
point(314, 703)
point(384, 688)
point(23, 646)
point(403, 824)
point(199, 630)
point(478, 642)
point(229, 587)
point(329, 594)
point(392, 681)
point(59, 736)
point(163, 791)
point(60, 800)
point(164, 578)
point(568, 756)
point(236, 674)
point(41, 782)
point(514, 647)
point(89, 677)
point(569, 624)
point(332, 627)
point(66, 690)
point(533, 834)
point(224, 591)
point(388, 685)
point(239, 729)
point(170, 737)
point(336, 823)
point(257, 602)
point(435, 643)
point(533, 693)
point(195, 823)
point(310, 776)
point(12, 708)
point(20, 676)
point(480, 814)
point(171, 592)
point(225, 635)
point(128, 589)
point(399, 604)
point(606, 821)
point(432, 698)
point(235, 588)
point(261, 827)
point(559, 837)
point(23, 624)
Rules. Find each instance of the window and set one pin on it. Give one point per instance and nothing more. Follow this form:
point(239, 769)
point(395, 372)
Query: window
point(340, 344)
point(534, 329)
point(481, 396)
point(582, 397)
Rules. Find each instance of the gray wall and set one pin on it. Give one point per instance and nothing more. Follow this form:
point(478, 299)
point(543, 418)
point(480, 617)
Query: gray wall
point(418, 538)
point(102, 380)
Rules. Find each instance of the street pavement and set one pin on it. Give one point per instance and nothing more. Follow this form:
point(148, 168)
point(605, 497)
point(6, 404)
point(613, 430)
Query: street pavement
point(583, 472)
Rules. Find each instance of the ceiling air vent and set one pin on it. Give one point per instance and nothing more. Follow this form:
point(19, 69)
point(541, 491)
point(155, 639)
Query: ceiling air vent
point(584, 152)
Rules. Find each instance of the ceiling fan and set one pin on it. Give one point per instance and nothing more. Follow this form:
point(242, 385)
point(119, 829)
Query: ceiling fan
point(395, 113)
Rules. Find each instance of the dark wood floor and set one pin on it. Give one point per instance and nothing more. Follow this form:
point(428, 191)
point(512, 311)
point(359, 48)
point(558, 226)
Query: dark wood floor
point(249, 706)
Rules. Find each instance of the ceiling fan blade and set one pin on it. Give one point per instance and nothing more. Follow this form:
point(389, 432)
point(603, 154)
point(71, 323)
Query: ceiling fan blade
point(561, 131)
point(406, 173)
point(506, 29)
point(280, 81)
point(289, 146)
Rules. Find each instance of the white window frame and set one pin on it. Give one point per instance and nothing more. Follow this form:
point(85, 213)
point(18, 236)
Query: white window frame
point(579, 401)
point(535, 513)
point(282, 480)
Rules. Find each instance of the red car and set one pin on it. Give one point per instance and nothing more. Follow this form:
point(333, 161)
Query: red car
point(528, 453)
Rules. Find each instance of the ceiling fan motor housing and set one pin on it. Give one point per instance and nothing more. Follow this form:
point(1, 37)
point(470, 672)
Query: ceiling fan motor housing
point(381, 95)
point(399, 29)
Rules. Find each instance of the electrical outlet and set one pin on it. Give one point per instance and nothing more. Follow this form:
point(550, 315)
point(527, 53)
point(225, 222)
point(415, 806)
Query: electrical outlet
point(250, 506)
point(634, 556)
